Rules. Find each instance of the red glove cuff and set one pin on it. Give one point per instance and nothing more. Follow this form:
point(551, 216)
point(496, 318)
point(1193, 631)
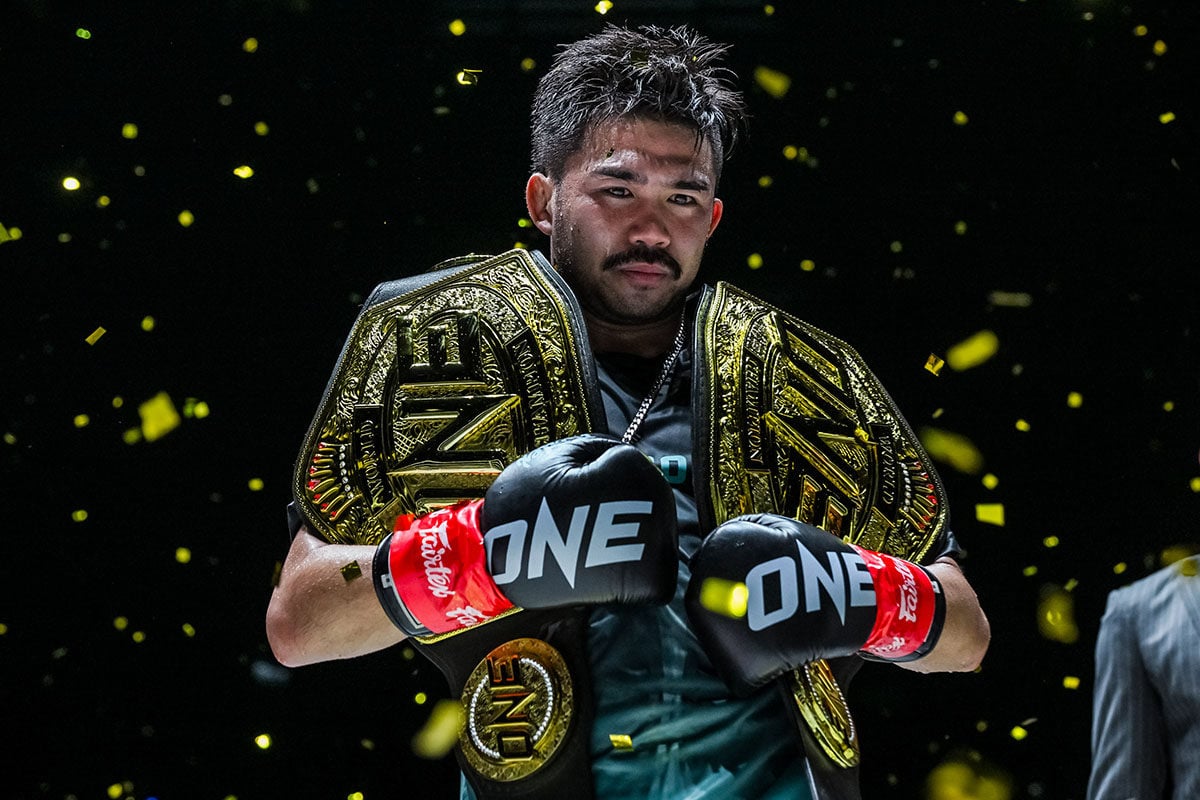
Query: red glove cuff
point(438, 569)
point(909, 608)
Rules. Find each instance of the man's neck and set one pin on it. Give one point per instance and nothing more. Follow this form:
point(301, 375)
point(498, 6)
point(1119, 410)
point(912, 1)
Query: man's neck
point(647, 340)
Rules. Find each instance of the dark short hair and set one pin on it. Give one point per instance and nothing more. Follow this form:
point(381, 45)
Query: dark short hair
point(672, 75)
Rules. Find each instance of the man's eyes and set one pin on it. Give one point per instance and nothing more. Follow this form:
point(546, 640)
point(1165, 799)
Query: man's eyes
point(675, 199)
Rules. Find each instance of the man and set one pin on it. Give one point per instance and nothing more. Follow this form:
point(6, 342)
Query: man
point(687, 638)
point(1146, 712)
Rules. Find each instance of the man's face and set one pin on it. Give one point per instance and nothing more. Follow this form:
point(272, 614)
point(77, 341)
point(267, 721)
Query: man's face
point(629, 219)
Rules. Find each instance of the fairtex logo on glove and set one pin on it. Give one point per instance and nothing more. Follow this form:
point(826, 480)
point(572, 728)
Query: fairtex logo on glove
point(443, 586)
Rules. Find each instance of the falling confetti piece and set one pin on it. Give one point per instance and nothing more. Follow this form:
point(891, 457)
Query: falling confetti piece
point(773, 82)
point(990, 513)
point(129, 131)
point(1056, 616)
point(765, 181)
point(960, 228)
point(115, 791)
point(188, 630)
point(9, 234)
point(1160, 47)
point(11, 438)
point(1018, 733)
point(960, 118)
point(1140, 30)
point(1074, 400)
point(1166, 117)
point(83, 33)
point(244, 171)
point(990, 481)
point(351, 571)
point(1193, 484)
point(183, 555)
point(79, 515)
point(621, 741)
point(1119, 568)
point(468, 77)
point(1010, 299)
point(934, 364)
point(420, 698)
point(1050, 541)
point(896, 247)
point(603, 7)
point(367, 744)
point(103, 201)
point(973, 351)
point(70, 183)
point(458, 27)
point(138, 637)
point(82, 420)
point(1189, 568)
point(186, 218)
point(808, 265)
point(440, 731)
point(255, 484)
point(528, 65)
point(159, 417)
point(952, 448)
point(1173, 554)
point(754, 261)
point(263, 740)
point(1030, 571)
point(250, 45)
point(728, 598)
point(1070, 682)
point(261, 128)
point(121, 623)
point(1022, 426)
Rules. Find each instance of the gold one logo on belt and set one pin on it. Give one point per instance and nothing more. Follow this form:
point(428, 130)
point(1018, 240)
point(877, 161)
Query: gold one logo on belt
point(519, 704)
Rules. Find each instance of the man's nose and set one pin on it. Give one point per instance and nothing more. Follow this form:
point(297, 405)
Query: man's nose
point(648, 229)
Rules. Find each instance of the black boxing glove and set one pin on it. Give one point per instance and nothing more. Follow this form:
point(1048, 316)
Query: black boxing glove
point(583, 520)
point(769, 593)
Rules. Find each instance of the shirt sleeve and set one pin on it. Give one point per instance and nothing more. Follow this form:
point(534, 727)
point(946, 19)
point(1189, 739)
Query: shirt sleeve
point(1128, 730)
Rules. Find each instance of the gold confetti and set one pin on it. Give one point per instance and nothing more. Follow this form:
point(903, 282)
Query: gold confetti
point(990, 481)
point(1029, 571)
point(1189, 568)
point(186, 218)
point(468, 77)
point(1050, 541)
point(765, 181)
point(355, 796)
point(3, 629)
point(351, 571)
point(103, 201)
point(121, 623)
point(63, 238)
point(263, 740)
point(132, 436)
point(1070, 682)
point(769, 10)
point(225, 100)
point(250, 45)
point(1160, 47)
point(896, 247)
point(244, 171)
point(138, 637)
point(1166, 117)
point(1169, 406)
point(1056, 616)
point(1018, 732)
point(721, 596)
point(276, 574)
point(1194, 483)
point(129, 131)
point(440, 731)
point(159, 417)
point(1071, 584)
point(621, 741)
point(1174, 553)
point(11, 438)
point(183, 555)
point(420, 697)
point(773, 82)
point(754, 261)
point(934, 364)
point(116, 789)
point(960, 228)
point(148, 324)
point(1022, 426)
point(603, 7)
point(367, 744)
point(188, 630)
point(990, 513)
point(83, 33)
point(960, 118)
point(528, 65)
point(1140, 30)
point(9, 234)
point(82, 420)
point(261, 128)
point(808, 265)
point(79, 515)
point(973, 351)
point(952, 448)
point(1119, 568)
point(255, 484)
point(458, 27)
point(70, 183)
point(1074, 400)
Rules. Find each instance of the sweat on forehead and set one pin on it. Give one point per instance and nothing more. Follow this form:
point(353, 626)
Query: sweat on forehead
point(654, 141)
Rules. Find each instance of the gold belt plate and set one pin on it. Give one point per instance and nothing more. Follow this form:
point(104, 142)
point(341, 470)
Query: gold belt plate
point(519, 704)
point(437, 390)
point(797, 425)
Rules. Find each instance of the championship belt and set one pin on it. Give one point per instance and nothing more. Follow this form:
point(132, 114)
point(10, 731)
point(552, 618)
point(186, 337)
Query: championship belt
point(445, 379)
point(790, 421)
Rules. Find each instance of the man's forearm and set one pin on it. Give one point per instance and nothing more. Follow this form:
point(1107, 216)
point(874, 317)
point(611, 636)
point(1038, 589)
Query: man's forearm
point(966, 632)
point(319, 612)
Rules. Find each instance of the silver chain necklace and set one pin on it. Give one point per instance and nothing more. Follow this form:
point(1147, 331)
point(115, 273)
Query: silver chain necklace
point(667, 368)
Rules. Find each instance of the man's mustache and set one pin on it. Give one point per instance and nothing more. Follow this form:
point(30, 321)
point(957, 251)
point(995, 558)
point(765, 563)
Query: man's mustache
point(642, 254)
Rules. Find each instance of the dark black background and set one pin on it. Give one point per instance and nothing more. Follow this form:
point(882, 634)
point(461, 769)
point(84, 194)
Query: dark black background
point(378, 163)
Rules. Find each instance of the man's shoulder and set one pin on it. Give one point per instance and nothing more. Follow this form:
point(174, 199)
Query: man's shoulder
point(1156, 587)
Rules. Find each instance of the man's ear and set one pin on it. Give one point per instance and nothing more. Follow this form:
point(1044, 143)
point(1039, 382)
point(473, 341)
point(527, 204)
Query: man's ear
point(718, 211)
point(539, 196)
